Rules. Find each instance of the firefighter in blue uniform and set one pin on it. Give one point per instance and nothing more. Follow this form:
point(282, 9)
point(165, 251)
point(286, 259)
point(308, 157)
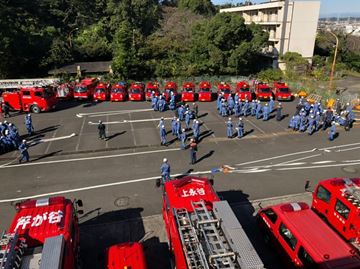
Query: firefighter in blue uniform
point(332, 131)
point(266, 112)
point(246, 108)
point(163, 135)
point(28, 124)
point(258, 110)
point(165, 170)
point(271, 104)
point(173, 126)
point(229, 128)
point(187, 120)
point(311, 124)
point(24, 152)
point(183, 138)
point(253, 107)
point(240, 128)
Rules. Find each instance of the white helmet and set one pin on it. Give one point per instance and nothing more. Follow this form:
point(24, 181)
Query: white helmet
point(240, 118)
point(164, 160)
point(229, 118)
point(24, 141)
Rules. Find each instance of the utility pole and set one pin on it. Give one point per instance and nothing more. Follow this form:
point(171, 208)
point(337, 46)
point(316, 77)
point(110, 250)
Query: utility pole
point(334, 60)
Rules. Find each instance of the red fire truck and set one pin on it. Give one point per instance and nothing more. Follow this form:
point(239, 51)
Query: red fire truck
point(263, 91)
point(224, 89)
point(188, 92)
point(281, 91)
point(65, 91)
point(304, 240)
point(203, 232)
point(118, 93)
point(205, 93)
point(102, 92)
point(243, 91)
point(337, 200)
point(151, 87)
point(43, 235)
point(126, 255)
point(170, 86)
point(34, 99)
point(136, 91)
point(85, 89)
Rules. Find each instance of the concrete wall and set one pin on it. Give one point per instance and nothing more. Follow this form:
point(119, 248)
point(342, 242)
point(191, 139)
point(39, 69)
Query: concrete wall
point(302, 33)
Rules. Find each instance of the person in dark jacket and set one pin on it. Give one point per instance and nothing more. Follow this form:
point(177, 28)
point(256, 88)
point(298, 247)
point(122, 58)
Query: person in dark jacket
point(101, 128)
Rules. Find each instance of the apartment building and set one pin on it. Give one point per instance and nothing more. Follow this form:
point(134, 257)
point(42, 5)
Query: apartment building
point(291, 24)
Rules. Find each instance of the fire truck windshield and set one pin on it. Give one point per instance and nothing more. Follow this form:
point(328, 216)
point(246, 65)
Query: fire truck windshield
point(80, 89)
point(188, 89)
point(266, 90)
point(100, 90)
point(243, 89)
point(117, 90)
point(135, 90)
point(205, 89)
point(284, 90)
point(227, 91)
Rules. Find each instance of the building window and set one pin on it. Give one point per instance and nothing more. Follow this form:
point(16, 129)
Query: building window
point(306, 259)
point(342, 209)
point(323, 194)
point(287, 236)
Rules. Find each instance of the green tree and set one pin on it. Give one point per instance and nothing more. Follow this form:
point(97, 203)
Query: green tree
point(203, 7)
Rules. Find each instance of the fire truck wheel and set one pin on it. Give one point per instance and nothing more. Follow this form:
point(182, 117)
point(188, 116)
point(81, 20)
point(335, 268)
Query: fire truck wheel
point(35, 109)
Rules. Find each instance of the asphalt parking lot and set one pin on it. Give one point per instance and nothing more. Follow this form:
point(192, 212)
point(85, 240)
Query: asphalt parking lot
point(116, 178)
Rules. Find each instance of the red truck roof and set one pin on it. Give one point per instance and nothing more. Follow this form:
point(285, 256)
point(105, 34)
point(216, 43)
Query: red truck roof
point(242, 84)
point(223, 85)
point(152, 85)
point(319, 240)
point(126, 255)
point(38, 219)
point(170, 85)
point(181, 192)
point(202, 230)
point(204, 84)
point(188, 85)
point(88, 81)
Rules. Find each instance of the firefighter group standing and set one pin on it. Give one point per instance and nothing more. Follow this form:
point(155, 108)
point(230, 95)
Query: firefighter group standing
point(311, 118)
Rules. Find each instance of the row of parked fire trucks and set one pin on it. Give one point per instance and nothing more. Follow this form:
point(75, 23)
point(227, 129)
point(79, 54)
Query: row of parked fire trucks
point(203, 232)
point(42, 95)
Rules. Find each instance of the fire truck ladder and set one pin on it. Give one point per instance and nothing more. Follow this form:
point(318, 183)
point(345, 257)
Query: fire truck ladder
point(193, 251)
point(219, 256)
point(352, 192)
point(11, 251)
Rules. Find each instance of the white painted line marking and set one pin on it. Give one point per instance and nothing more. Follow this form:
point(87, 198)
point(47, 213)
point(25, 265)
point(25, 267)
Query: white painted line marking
point(35, 141)
point(94, 187)
point(327, 149)
point(91, 158)
point(80, 133)
point(341, 150)
point(53, 136)
point(103, 113)
point(127, 121)
point(323, 162)
point(253, 124)
point(299, 159)
point(316, 166)
point(132, 130)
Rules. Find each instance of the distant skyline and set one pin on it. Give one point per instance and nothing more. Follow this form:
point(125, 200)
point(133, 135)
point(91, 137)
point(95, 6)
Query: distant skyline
point(328, 7)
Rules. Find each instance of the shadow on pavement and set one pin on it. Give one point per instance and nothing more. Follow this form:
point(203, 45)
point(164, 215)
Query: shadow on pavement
point(202, 115)
point(245, 213)
point(205, 134)
point(111, 228)
point(46, 155)
point(115, 135)
point(66, 104)
point(207, 155)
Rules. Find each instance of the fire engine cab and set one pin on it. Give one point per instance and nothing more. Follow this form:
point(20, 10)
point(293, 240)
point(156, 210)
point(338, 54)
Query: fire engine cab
point(34, 99)
point(337, 200)
point(205, 93)
point(102, 92)
point(151, 87)
point(304, 240)
point(43, 235)
point(282, 91)
point(188, 92)
point(136, 91)
point(203, 231)
point(263, 91)
point(243, 91)
point(224, 89)
point(85, 89)
point(126, 256)
point(118, 92)
point(170, 87)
